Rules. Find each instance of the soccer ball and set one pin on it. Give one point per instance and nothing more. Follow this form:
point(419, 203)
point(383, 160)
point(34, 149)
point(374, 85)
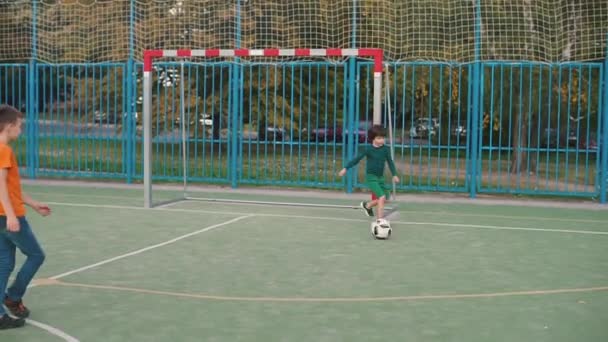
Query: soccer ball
point(381, 229)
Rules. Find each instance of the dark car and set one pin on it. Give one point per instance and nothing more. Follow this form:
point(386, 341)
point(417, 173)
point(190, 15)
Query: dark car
point(361, 131)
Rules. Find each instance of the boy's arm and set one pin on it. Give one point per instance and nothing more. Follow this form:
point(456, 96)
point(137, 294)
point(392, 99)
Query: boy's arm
point(4, 198)
point(357, 159)
point(40, 208)
point(29, 201)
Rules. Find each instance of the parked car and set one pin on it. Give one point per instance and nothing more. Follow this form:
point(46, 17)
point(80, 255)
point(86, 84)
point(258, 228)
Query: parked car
point(549, 138)
point(112, 118)
point(459, 129)
point(590, 144)
point(272, 133)
point(572, 137)
point(424, 127)
point(102, 117)
point(204, 120)
point(361, 131)
point(331, 133)
point(337, 133)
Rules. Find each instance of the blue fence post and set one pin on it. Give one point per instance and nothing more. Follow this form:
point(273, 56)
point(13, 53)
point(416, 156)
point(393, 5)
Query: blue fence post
point(348, 121)
point(475, 107)
point(474, 119)
point(129, 133)
point(129, 153)
point(31, 142)
point(604, 133)
point(235, 101)
point(132, 87)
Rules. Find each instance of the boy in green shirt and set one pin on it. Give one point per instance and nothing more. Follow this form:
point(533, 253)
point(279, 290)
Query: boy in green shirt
point(377, 155)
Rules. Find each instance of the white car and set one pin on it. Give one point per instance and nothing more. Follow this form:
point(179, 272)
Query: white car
point(424, 127)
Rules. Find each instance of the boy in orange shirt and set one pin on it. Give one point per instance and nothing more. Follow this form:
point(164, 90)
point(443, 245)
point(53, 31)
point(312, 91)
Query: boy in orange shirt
point(15, 231)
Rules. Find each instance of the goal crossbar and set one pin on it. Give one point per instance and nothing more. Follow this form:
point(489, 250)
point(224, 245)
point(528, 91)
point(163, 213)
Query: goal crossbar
point(151, 55)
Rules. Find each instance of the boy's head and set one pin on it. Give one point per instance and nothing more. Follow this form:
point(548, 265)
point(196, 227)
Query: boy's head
point(377, 134)
point(10, 122)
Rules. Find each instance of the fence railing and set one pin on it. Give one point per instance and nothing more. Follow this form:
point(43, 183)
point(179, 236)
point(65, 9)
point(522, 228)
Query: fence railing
point(520, 128)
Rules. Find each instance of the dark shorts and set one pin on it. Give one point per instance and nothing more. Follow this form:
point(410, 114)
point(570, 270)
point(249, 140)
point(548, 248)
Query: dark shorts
point(377, 186)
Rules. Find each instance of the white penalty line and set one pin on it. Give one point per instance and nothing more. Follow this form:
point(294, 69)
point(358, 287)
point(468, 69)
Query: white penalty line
point(139, 251)
point(437, 224)
point(53, 331)
point(61, 334)
point(395, 205)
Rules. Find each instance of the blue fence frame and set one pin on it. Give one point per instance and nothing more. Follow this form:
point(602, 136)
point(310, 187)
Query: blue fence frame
point(535, 129)
point(480, 127)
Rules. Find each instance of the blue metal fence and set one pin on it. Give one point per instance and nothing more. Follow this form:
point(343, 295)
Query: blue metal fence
point(540, 129)
point(14, 90)
point(478, 127)
point(534, 128)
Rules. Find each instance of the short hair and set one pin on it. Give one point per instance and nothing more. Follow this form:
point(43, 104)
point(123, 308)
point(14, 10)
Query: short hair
point(8, 115)
point(377, 131)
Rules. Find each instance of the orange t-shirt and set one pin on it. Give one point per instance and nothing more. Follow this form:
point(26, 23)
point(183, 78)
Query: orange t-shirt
point(13, 181)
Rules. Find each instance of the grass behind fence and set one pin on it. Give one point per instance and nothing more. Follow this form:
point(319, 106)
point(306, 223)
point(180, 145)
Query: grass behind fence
point(313, 164)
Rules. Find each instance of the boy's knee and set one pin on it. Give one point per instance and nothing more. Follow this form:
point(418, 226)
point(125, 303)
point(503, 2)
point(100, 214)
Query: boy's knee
point(42, 257)
point(38, 257)
point(382, 200)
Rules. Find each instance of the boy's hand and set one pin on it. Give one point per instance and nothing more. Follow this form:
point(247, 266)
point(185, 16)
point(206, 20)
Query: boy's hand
point(12, 224)
point(42, 209)
point(342, 172)
point(395, 179)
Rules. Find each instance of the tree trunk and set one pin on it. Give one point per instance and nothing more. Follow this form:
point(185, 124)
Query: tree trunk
point(520, 134)
point(521, 144)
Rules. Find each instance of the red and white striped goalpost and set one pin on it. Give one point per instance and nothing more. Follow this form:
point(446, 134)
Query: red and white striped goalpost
point(150, 55)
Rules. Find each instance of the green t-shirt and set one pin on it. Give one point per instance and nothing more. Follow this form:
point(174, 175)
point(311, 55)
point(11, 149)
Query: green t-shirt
point(376, 157)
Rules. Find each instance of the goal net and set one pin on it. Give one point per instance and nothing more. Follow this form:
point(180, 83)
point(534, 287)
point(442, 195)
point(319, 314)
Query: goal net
point(273, 115)
point(431, 30)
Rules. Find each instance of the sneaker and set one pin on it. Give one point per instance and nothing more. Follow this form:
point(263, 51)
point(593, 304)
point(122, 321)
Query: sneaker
point(16, 308)
point(368, 212)
point(8, 322)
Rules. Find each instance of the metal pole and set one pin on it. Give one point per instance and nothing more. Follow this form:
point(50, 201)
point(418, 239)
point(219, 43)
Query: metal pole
point(182, 115)
point(377, 98)
point(130, 121)
point(475, 106)
point(604, 133)
point(235, 104)
point(147, 138)
point(354, 24)
point(32, 99)
point(348, 124)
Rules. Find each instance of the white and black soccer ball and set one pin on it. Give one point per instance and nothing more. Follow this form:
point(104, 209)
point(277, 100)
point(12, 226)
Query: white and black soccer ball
point(381, 229)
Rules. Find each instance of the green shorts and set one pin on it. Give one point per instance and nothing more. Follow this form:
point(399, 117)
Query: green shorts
point(377, 187)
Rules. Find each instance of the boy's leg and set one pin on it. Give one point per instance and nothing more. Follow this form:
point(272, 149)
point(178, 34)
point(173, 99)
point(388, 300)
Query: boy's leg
point(27, 243)
point(7, 264)
point(380, 207)
point(382, 200)
point(7, 261)
point(377, 189)
point(367, 207)
point(379, 200)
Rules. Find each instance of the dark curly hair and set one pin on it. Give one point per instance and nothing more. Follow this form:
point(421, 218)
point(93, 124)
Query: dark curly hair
point(376, 131)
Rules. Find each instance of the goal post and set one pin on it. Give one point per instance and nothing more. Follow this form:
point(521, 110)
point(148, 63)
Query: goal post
point(150, 56)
